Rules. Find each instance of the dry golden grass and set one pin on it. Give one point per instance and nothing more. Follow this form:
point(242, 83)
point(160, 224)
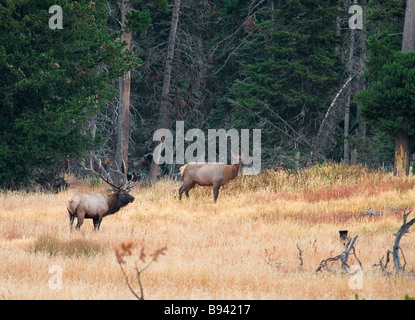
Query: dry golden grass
point(214, 251)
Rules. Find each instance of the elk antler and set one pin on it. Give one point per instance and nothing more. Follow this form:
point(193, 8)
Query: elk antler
point(105, 176)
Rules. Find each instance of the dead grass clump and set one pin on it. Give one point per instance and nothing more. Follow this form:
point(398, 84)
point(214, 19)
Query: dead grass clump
point(316, 177)
point(401, 185)
point(333, 218)
point(336, 192)
point(74, 248)
point(11, 231)
point(324, 182)
point(372, 187)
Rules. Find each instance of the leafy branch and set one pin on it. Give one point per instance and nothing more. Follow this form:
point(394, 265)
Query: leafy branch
point(124, 250)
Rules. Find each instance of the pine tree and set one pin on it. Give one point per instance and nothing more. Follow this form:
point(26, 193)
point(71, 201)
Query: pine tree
point(388, 103)
point(52, 81)
point(288, 69)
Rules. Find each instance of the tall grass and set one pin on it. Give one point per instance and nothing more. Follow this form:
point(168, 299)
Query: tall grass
point(314, 178)
point(216, 251)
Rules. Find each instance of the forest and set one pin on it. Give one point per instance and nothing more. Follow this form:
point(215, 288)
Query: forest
point(315, 98)
point(324, 81)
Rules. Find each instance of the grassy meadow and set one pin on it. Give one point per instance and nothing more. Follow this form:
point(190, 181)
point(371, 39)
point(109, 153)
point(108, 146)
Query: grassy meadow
point(243, 247)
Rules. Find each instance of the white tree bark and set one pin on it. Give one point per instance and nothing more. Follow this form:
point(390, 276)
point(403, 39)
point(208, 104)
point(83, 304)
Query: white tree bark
point(408, 41)
point(123, 122)
point(164, 113)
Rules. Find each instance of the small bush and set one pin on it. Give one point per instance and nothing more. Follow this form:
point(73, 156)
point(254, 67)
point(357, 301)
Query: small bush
point(72, 248)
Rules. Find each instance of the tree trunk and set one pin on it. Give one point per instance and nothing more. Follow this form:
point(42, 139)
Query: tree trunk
point(408, 40)
point(402, 154)
point(327, 126)
point(402, 141)
point(164, 110)
point(361, 85)
point(346, 151)
point(164, 114)
point(350, 69)
point(123, 122)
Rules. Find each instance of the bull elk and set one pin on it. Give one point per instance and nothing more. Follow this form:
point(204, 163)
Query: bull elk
point(207, 174)
point(96, 206)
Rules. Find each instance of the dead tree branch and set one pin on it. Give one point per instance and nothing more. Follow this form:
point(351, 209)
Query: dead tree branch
point(328, 122)
point(343, 257)
point(125, 250)
point(398, 268)
point(280, 124)
point(382, 265)
point(300, 257)
point(398, 236)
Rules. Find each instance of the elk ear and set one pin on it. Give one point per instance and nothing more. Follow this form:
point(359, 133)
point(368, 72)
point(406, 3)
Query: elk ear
point(237, 156)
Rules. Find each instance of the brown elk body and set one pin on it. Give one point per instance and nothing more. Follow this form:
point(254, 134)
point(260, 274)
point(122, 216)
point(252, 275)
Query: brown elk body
point(207, 174)
point(96, 206)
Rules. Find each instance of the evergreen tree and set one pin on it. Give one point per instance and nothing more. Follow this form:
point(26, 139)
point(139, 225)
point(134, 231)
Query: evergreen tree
point(389, 103)
point(288, 70)
point(52, 81)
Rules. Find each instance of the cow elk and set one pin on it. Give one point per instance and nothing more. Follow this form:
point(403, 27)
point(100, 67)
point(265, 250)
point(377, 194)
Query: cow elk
point(96, 206)
point(207, 174)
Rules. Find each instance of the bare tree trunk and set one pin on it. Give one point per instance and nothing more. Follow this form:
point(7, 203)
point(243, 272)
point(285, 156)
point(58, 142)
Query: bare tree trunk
point(164, 114)
point(164, 111)
point(346, 146)
point(402, 154)
point(123, 123)
point(396, 246)
point(408, 40)
point(327, 125)
point(350, 69)
point(402, 140)
point(361, 82)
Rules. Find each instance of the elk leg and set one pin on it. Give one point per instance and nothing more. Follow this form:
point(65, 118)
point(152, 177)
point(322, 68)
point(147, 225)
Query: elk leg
point(71, 219)
point(181, 192)
point(215, 193)
point(185, 188)
point(188, 189)
point(97, 223)
point(80, 221)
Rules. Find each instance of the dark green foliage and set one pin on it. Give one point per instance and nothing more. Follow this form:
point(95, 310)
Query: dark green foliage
point(385, 23)
point(270, 65)
point(288, 67)
point(408, 297)
point(139, 20)
point(389, 102)
point(52, 81)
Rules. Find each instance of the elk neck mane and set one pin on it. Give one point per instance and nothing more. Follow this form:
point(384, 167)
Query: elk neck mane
point(114, 204)
point(232, 170)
